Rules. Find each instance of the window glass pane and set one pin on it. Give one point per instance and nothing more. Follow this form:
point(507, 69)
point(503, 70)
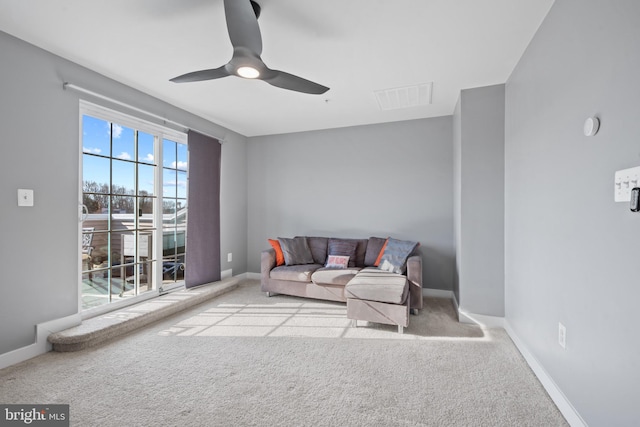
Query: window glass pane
point(169, 182)
point(181, 215)
point(95, 174)
point(87, 249)
point(95, 136)
point(123, 211)
point(182, 157)
point(146, 152)
point(123, 206)
point(168, 211)
point(93, 248)
point(168, 242)
point(100, 251)
point(95, 286)
point(145, 180)
point(145, 252)
point(168, 207)
point(97, 214)
point(146, 276)
point(172, 269)
point(181, 185)
point(180, 242)
point(169, 154)
point(122, 248)
point(145, 212)
point(123, 179)
point(123, 142)
point(122, 281)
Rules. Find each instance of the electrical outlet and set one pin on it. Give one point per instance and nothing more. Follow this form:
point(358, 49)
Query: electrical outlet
point(229, 257)
point(562, 335)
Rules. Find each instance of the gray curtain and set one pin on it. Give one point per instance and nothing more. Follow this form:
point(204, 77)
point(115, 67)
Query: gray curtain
point(203, 215)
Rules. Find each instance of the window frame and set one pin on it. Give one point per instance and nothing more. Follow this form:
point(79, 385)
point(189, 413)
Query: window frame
point(161, 133)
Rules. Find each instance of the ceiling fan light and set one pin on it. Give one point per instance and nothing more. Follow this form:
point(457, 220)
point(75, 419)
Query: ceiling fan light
point(248, 72)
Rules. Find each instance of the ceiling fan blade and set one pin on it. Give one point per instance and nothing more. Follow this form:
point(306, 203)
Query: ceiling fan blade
point(289, 81)
point(242, 25)
point(196, 76)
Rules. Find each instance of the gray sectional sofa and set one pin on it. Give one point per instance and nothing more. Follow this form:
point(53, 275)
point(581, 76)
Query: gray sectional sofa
point(371, 293)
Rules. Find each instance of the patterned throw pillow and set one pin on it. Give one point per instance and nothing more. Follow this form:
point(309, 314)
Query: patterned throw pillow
point(395, 255)
point(296, 251)
point(337, 261)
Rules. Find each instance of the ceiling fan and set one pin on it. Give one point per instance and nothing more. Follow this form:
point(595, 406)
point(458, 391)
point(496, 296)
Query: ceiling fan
point(244, 32)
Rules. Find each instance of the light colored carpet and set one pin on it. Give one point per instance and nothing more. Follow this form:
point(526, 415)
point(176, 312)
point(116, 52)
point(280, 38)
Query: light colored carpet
point(243, 359)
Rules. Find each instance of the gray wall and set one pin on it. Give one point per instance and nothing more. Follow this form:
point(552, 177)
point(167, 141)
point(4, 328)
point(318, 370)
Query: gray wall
point(572, 254)
point(457, 193)
point(40, 146)
point(380, 180)
point(479, 200)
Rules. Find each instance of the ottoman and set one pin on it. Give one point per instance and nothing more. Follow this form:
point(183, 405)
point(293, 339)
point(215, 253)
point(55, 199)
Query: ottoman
point(378, 296)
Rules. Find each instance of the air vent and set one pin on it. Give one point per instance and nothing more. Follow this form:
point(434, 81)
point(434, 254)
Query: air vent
point(404, 97)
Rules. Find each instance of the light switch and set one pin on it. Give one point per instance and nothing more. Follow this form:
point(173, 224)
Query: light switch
point(625, 181)
point(25, 197)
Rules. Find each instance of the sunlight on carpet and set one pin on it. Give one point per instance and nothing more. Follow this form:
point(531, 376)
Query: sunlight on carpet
point(285, 316)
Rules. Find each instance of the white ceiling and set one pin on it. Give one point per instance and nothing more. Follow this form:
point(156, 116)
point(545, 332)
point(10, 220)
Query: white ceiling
point(355, 47)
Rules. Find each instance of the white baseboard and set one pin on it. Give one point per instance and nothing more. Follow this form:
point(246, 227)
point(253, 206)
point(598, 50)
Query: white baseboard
point(226, 274)
point(463, 315)
point(41, 345)
point(243, 276)
point(480, 319)
point(566, 408)
point(437, 293)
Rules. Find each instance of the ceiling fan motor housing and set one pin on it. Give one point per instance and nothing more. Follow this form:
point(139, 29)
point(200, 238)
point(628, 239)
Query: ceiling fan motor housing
point(256, 8)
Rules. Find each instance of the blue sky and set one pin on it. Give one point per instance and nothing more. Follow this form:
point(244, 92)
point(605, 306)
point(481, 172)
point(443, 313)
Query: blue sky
point(95, 140)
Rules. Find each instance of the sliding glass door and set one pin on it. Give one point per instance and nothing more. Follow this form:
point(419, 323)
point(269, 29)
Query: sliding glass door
point(174, 212)
point(134, 203)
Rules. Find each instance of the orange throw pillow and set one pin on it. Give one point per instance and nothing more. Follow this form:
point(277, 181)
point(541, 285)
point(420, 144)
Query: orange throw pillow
point(377, 263)
point(279, 255)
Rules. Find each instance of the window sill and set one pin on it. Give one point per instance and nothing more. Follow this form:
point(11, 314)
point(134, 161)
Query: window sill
point(100, 329)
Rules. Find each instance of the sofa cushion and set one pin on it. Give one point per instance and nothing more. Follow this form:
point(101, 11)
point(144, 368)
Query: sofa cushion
point(343, 247)
point(374, 250)
point(296, 273)
point(361, 249)
point(376, 285)
point(334, 276)
point(296, 251)
point(395, 255)
point(318, 246)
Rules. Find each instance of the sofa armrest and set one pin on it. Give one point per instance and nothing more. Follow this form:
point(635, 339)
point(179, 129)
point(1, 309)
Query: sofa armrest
point(267, 262)
point(414, 276)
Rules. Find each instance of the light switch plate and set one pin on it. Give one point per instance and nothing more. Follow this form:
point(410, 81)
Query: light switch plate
point(625, 181)
point(25, 197)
